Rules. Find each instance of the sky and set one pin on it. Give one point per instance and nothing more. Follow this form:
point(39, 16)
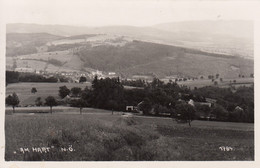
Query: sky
point(122, 12)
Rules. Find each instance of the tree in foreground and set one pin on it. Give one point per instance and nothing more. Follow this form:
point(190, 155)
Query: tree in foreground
point(80, 103)
point(12, 100)
point(33, 90)
point(63, 91)
point(51, 101)
point(185, 112)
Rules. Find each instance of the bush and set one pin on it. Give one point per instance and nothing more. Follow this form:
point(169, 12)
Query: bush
point(38, 101)
point(220, 112)
point(202, 111)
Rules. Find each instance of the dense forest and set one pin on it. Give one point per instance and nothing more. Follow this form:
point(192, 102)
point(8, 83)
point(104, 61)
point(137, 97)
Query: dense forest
point(142, 58)
point(15, 77)
point(160, 99)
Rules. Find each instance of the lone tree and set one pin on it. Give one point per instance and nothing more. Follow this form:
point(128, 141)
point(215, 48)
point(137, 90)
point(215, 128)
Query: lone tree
point(38, 101)
point(33, 90)
point(185, 112)
point(64, 91)
point(217, 75)
point(12, 100)
point(80, 103)
point(82, 79)
point(51, 101)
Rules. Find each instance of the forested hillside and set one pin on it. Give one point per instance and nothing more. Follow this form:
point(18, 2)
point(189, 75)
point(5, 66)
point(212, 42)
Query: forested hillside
point(161, 60)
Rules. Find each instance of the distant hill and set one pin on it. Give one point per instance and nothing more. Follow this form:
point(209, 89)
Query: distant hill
point(188, 49)
point(38, 38)
point(238, 28)
point(228, 37)
point(26, 43)
point(159, 60)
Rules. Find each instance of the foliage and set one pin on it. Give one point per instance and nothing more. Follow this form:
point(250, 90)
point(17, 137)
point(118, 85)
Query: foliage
point(228, 101)
point(142, 58)
point(80, 103)
point(162, 110)
point(15, 77)
point(38, 101)
point(104, 90)
point(63, 91)
point(202, 110)
point(146, 106)
point(33, 90)
point(134, 83)
point(220, 112)
point(238, 115)
point(75, 91)
point(51, 101)
point(158, 98)
point(12, 100)
point(12, 76)
point(82, 79)
point(184, 112)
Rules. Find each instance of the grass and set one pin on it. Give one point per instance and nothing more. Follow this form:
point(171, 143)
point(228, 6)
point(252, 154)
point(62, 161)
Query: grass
point(23, 90)
point(225, 83)
point(99, 137)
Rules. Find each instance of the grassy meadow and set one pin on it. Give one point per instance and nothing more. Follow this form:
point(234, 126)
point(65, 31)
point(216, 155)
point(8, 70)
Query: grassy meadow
point(44, 90)
point(102, 136)
point(224, 84)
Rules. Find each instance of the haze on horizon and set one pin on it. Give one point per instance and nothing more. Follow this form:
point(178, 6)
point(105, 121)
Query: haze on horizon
point(125, 12)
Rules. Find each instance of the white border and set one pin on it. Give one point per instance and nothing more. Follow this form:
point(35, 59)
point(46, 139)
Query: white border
point(145, 164)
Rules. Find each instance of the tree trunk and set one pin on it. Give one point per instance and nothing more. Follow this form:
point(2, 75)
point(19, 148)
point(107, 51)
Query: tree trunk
point(189, 123)
point(112, 111)
point(51, 109)
point(80, 110)
point(13, 110)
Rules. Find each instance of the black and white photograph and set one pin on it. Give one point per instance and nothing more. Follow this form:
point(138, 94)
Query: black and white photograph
point(109, 81)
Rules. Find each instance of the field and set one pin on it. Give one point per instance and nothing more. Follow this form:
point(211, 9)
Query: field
point(37, 61)
point(23, 90)
point(225, 83)
point(99, 135)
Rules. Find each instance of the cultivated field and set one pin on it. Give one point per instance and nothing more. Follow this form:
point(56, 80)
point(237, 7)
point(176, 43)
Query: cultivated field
point(23, 90)
point(102, 136)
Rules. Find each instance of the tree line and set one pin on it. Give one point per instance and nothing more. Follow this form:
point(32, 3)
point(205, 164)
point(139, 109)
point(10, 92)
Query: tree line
point(167, 99)
point(15, 77)
point(161, 99)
